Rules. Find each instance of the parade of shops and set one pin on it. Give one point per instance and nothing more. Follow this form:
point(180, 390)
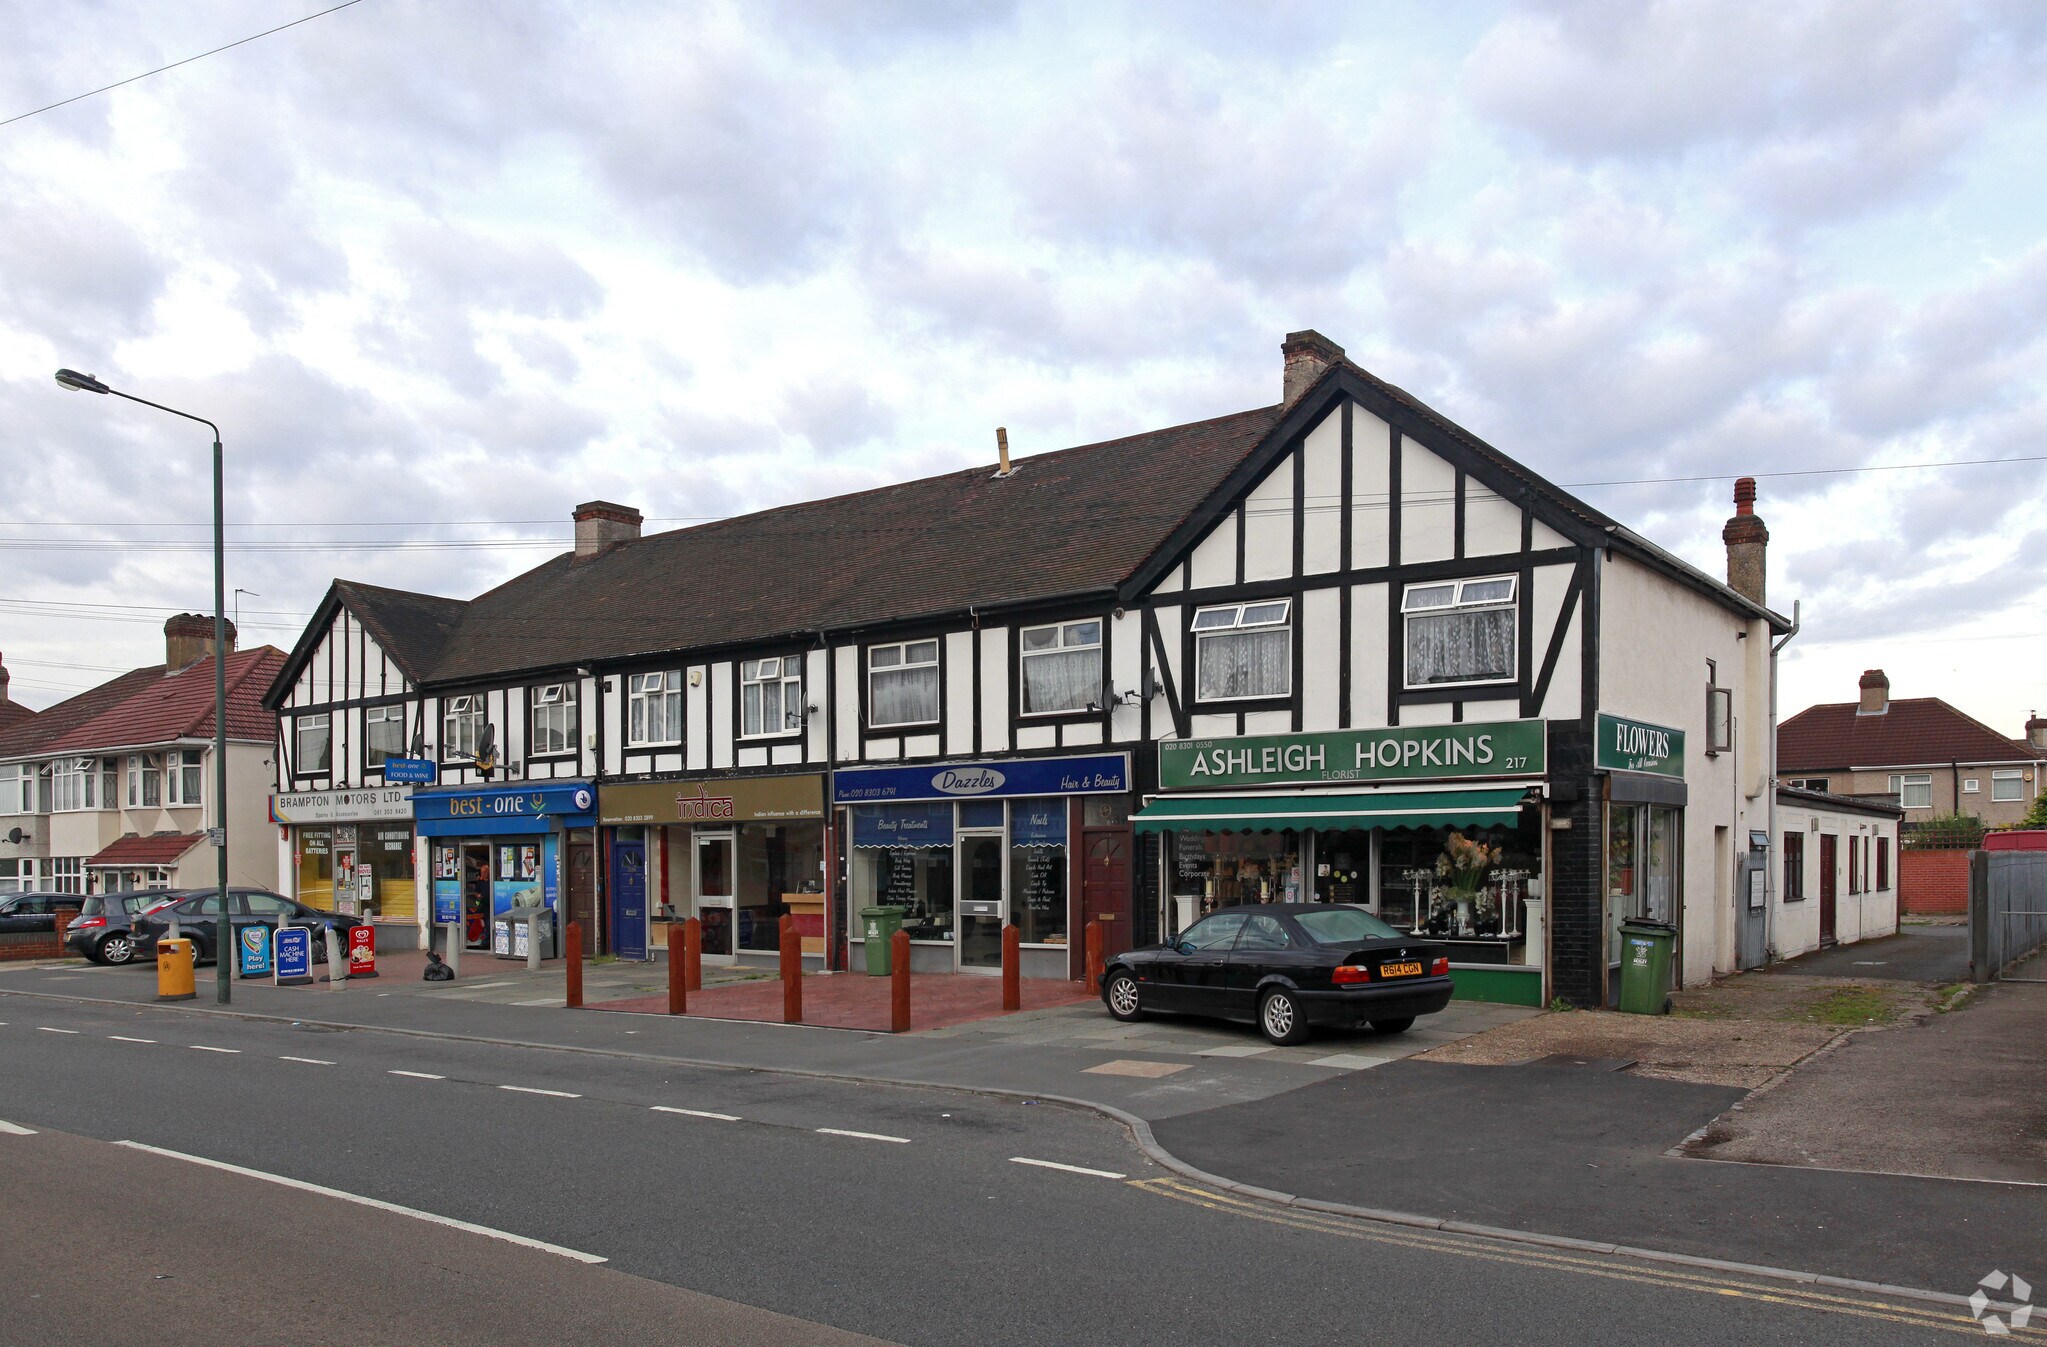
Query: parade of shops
point(1334, 649)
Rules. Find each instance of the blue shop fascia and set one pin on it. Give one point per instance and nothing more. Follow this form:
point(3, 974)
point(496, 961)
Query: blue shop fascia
point(493, 848)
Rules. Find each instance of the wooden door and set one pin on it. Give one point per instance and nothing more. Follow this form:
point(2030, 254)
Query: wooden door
point(1827, 844)
point(582, 881)
point(1105, 889)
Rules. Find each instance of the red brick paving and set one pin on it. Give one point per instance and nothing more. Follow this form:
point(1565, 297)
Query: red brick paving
point(857, 1001)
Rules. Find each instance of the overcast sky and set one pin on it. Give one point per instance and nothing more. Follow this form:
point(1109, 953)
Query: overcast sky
point(441, 271)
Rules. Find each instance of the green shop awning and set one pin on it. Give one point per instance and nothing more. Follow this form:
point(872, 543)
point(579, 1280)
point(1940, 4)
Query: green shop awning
point(1276, 812)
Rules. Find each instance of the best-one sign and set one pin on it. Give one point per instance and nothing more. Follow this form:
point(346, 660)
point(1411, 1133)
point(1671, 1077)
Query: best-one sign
point(1432, 752)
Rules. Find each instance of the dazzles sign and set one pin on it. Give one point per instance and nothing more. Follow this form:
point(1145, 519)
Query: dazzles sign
point(734, 799)
point(1097, 774)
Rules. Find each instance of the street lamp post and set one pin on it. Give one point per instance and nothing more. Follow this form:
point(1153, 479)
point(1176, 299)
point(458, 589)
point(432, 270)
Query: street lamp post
point(224, 948)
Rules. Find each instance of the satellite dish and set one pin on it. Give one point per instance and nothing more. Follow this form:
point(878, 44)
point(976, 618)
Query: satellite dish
point(17, 836)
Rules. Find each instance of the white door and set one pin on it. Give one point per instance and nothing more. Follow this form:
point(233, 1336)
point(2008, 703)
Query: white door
point(715, 876)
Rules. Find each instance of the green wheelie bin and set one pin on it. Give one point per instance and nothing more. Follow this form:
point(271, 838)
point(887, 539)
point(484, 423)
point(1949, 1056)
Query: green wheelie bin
point(879, 926)
point(1647, 948)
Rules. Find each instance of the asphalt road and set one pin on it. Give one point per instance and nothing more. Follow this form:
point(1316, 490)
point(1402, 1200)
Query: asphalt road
point(896, 1212)
point(1915, 954)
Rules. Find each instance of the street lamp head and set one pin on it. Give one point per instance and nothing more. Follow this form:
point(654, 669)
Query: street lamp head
point(81, 383)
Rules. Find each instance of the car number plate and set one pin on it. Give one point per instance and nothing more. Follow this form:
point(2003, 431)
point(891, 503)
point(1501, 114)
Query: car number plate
point(1400, 970)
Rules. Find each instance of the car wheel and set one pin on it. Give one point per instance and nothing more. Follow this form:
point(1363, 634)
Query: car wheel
point(1399, 1026)
point(1121, 995)
point(1279, 1016)
point(118, 948)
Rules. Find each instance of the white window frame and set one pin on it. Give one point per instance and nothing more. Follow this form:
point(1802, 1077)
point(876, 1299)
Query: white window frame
point(462, 721)
point(1825, 785)
point(1413, 605)
point(67, 874)
point(899, 661)
point(1064, 642)
point(177, 763)
point(554, 720)
point(1971, 786)
point(2016, 776)
point(1900, 781)
point(1719, 720)
point(299, 725)
point(74, 785)
point(14, 799)
point(785, 677)
point(1241, 619)
point(145, 780)
point(371, 749)
point(647, 694)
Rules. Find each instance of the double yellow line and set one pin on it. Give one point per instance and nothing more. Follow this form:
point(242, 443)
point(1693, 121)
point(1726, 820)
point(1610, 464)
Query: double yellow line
point(1613, 1267)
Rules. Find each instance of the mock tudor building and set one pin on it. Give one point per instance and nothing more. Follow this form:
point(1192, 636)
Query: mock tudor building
point(1308, 650)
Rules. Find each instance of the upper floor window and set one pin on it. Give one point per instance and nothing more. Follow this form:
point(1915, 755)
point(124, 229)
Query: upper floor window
point(18, 788)
point(462, 725)
point(1818, 783)
point(2007, 783)
point(770, 696)
point(185, 775)
point(654, 708)
point(902, 684)
point(145, 781)
point(313, 753)
point(76, 785)
point(383, 732)
point(1061, 667)
point(1460, 631)
point(554, 719)
point(1913, 789)
point(1243, 650)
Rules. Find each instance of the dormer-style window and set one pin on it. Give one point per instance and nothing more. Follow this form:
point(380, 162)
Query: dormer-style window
point(1243, 651)
point(461, 725)
point(770, 697)
point(554, 719)
point(654, 708)
point(1460, 631)
point(902, 684)
point(1061, 667)
point(313, 750)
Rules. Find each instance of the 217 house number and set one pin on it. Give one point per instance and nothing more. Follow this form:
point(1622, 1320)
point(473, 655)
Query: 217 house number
point(1514, 764)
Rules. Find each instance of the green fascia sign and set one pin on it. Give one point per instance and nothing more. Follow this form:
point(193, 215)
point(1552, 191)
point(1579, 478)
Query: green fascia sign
point(1422, 753)
point(1638, 746)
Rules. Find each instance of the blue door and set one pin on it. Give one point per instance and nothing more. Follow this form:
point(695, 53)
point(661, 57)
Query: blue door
point(629, 900)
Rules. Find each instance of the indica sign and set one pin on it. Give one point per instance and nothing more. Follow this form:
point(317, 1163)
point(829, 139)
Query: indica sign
point(1424, 753)
point(1638, 746)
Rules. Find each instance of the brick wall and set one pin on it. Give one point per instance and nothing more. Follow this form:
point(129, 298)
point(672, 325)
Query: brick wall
point(1574, 885)
point(15, 945)
point(1932, 882)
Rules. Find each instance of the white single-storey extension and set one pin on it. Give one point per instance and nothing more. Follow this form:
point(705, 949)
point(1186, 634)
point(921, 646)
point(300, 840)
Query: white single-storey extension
point(1840, 871)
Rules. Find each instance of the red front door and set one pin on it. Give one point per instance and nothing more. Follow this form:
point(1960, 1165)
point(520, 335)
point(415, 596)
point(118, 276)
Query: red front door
point(1827, 845)
point(1105, 887)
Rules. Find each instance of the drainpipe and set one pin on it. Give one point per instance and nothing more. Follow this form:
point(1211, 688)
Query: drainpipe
point(1775, 863)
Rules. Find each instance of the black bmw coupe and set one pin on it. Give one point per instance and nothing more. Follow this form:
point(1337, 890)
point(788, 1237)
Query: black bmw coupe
point(1286, 967)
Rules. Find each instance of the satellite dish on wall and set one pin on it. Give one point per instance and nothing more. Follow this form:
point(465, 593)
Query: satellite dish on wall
point(17, 836)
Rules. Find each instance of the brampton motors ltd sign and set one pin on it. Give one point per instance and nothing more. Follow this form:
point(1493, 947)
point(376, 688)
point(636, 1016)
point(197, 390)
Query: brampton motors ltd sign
point(1433, 752)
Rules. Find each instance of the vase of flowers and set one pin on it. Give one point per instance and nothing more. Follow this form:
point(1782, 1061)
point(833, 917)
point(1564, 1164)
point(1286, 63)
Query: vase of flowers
point(1462, 868)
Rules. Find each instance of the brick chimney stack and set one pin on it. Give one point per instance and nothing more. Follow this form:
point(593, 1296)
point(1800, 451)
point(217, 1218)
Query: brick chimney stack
point(602, 525)
point(1747, 541)
point(188, 638)
point(2036, 725)
point(1307, 354)
point(1876, 693)
point(6, 678)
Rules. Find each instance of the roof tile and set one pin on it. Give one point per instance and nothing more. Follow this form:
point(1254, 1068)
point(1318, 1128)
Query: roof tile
point(1915, 731)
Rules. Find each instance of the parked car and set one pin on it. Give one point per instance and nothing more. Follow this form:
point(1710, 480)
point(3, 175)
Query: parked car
point(21, 913)
point(104, 929)
point(1286, 967)
point(198, 917)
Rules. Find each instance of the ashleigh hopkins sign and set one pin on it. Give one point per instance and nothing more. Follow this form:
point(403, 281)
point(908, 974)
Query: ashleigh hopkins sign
point(1424, 752)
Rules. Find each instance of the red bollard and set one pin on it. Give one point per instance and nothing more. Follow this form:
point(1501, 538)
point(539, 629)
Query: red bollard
point(693, 955)
point(899, 983)
point(792, 973)
point(1012, 968)
point(678, 982)
point(1094, 956)
point(573, 952)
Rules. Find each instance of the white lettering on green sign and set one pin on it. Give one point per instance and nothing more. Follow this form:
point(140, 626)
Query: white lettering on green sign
point(1476, 750)
point(1637, 746)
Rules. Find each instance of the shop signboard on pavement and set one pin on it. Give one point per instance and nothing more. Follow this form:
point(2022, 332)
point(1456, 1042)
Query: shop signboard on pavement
point(362, 952)
point(254, 944)
point(294, 961)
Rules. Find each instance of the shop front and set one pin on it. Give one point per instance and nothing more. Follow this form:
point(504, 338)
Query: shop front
point(1643, 843)
point(352, 852)
point(492, 849)
point(736, 853)
point(1440, 830)
point(966, 848)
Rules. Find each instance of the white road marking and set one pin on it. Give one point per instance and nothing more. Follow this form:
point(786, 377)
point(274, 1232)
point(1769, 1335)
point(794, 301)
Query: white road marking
point(1070, 1169)
point(309, 1061)
point(201, 1047)
point(15, 1130)
point(862, 1136)
point(123, 1038)
point(543, 1001)
point(48, 1030)
point(360, 1200)
point(697, 1113)
point(528, 1089)
point(479, 986)
point(416, 1075)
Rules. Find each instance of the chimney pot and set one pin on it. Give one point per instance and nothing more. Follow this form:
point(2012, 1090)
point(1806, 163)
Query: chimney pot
point(5, 678)
point(1748, 542)
point(602, 525)
point(1876, 693)
point(2036, 727)
point(188, 638)
point(1306, 355)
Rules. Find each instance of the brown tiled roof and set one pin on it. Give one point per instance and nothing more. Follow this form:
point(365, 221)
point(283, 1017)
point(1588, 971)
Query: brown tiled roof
point(180, 706)
point(13, 713)
point(1069, 522)
point(156, 849)
point(413, 629)
point(1915, 731)
point(35, 736)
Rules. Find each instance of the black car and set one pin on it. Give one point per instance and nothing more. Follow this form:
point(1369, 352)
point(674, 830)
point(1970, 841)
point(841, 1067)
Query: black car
point(23, 913)
point(1286, 967)
point(198, 918)
point(104, 929)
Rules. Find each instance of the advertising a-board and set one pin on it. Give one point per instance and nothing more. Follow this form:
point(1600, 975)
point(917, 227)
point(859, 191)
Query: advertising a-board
point(294, 961)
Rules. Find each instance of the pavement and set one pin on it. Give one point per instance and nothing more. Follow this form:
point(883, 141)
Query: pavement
point(1936, 954)
point(857, 1001)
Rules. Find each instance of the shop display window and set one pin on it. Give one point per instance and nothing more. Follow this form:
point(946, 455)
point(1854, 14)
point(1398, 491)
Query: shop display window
point(774, 860)
point(316, 867)
point(1038, 870)
point(1213, 870)
point(1478, 894)
point(1642, 844)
